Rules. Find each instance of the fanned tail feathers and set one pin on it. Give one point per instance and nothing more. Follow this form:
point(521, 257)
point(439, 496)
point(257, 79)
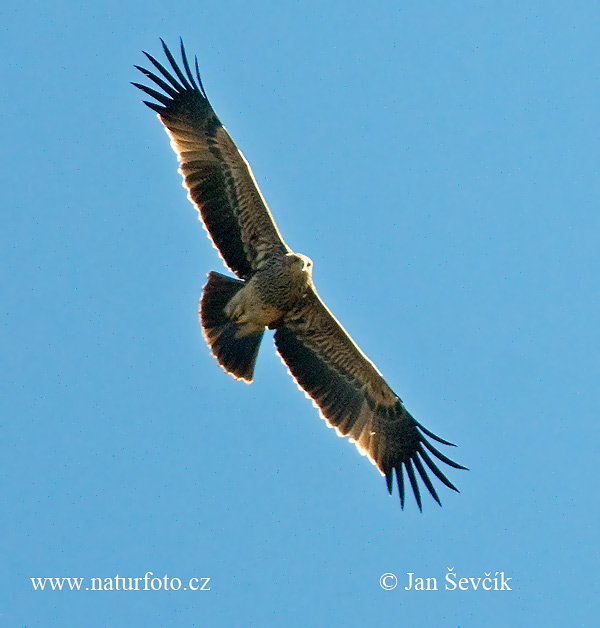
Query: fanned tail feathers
point(237, 355)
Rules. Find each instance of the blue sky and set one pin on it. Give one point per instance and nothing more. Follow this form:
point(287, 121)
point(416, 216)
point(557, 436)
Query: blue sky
point(439, 164)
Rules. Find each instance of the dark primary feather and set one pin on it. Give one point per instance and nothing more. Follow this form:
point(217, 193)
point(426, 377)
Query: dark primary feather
point(353, 397)
point(217, 177)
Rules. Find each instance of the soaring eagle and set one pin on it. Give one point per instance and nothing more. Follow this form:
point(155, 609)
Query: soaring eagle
point(275, 291)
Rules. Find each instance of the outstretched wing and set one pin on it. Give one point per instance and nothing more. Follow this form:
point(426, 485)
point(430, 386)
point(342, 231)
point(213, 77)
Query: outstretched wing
point(216, 175)
point(353, 397)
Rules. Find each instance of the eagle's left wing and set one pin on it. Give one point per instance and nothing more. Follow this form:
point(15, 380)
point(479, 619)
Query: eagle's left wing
point(215, 173)
point(353, 397)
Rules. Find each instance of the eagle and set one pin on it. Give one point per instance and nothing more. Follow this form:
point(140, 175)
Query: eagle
point(274, 289)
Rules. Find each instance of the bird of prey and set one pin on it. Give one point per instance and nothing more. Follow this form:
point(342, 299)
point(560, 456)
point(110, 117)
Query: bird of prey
point(274, 290)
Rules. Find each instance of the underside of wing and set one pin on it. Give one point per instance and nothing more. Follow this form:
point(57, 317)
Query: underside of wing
point(353, 397)
point(218, 178)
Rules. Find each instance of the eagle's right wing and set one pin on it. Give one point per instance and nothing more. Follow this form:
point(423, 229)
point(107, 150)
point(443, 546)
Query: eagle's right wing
point(353, 397)
point(216, 175)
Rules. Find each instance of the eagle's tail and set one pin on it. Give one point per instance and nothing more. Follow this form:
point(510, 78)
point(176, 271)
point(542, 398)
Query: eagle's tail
point(236, 355)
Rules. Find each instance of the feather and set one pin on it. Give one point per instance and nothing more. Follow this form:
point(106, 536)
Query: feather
point(327, 364)
point(220, 185)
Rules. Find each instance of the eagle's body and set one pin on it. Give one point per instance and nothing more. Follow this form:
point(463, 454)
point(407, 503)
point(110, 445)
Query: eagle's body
point(268, 297)
point(274, 290)
point(281, 284)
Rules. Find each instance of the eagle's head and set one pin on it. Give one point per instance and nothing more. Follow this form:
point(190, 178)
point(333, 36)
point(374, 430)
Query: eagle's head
point(299, 264)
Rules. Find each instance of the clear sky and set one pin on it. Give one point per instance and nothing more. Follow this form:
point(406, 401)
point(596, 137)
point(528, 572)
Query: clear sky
point(439, 163)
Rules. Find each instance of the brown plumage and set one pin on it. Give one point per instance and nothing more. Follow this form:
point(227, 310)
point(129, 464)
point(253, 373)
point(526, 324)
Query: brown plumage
point(275, 290)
